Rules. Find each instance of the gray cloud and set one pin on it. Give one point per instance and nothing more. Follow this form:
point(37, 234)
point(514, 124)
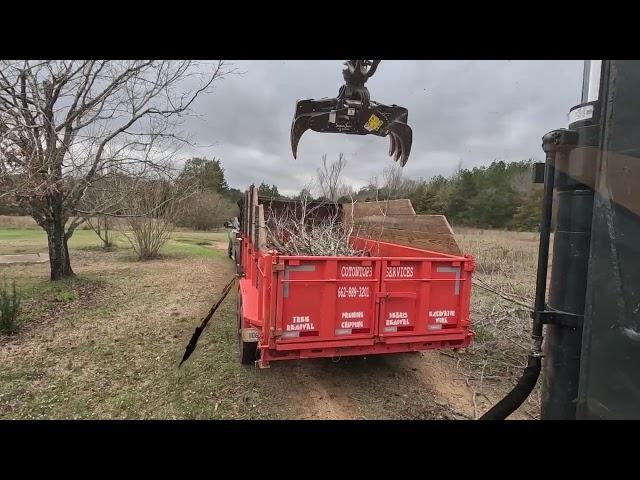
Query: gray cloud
point(460, 111)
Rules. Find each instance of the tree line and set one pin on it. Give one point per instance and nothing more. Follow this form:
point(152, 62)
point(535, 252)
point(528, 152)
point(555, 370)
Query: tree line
point(500, 195)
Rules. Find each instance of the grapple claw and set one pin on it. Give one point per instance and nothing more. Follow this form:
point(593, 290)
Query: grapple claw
point(352, 112)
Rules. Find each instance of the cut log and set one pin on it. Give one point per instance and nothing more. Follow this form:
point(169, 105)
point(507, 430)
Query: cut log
point(261, 228)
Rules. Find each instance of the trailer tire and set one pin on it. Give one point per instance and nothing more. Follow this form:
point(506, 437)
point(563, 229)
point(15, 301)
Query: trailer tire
point(247, 350)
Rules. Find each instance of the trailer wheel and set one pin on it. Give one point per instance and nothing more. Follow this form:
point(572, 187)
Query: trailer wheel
point(247, 350)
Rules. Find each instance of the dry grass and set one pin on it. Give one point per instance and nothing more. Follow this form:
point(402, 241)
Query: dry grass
point(107, 344)
point(505, 262)
point(14, 221)
point(18, 221)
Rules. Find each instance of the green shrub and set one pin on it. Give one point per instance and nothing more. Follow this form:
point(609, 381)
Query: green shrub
point(64, 296)
point(9, 308)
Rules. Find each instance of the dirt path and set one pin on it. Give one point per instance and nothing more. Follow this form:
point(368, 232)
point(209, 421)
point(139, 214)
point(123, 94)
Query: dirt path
point(319, 399)
point(380, 387)
point(422, 386)
point(25, 259)
point(439, 372)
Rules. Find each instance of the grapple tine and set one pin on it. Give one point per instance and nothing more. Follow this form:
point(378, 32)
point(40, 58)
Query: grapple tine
point(298, 127)
point(404, 137)
point(399, 146)
point(392, 144)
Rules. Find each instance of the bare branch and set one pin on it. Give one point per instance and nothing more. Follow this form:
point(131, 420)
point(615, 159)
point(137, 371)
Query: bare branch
point(329, 177)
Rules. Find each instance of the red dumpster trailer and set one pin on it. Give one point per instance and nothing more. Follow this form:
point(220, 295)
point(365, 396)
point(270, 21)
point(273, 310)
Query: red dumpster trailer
point(397, 299)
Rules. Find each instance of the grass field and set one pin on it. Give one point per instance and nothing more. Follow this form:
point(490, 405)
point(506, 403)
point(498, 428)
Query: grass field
point(107, 343)
point(182, 243)
point(506, 262)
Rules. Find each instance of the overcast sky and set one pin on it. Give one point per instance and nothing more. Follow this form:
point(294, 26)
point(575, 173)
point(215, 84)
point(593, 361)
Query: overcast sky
point(469, 112)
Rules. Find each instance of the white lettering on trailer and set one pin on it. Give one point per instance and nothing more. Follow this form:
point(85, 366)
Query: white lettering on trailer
point(300, 322)
point(356, 271)
point(397, 318)
point(301, 326)
point(353, 292)
point(442, 313)
point(441, 316)
point(397, 321)
point(352, 324)
point(400, 272)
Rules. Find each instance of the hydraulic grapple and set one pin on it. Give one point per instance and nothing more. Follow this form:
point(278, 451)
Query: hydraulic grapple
point(353, 112)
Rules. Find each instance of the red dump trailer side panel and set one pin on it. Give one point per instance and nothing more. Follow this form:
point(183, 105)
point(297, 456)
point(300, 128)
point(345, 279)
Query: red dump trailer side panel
point(399, 299)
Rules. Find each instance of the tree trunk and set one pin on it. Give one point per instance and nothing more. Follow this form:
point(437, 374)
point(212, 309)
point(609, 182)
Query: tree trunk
point(59, 260)
point(106, 241)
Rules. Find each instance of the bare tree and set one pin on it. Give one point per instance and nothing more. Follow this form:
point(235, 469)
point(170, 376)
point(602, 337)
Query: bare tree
point(329, 177)
point(106, 194)
point(392, 176)
point(394, 185)
point(63, 124)
point(151, 212)
point(345, 191)
point(102, 226)
point(206, 210)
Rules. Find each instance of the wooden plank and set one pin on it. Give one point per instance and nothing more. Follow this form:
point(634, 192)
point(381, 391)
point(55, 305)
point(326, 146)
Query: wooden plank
point(384, 207)
point(261, 228)
point(420, 223)
point(245, 207)
point(437, 242)
point(249, 213)
point(254, 218)
point(255, 196)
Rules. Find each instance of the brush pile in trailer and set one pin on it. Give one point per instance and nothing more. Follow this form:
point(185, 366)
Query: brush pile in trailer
point(300, 231)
